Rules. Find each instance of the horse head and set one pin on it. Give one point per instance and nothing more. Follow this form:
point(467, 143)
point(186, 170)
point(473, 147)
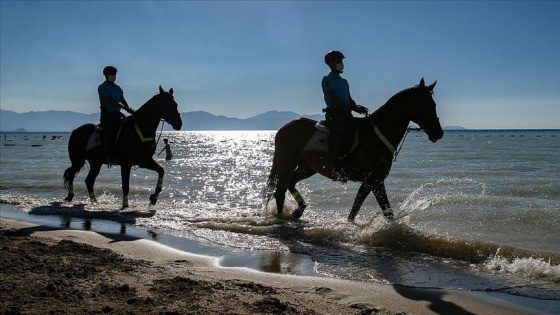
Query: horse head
point(423, 111)
point(168, 108)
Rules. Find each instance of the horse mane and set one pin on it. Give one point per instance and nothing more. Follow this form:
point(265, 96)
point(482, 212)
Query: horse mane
point(395, 99)
point(145, 106)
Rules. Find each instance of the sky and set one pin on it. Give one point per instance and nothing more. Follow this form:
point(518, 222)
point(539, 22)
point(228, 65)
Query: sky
point(497, 64)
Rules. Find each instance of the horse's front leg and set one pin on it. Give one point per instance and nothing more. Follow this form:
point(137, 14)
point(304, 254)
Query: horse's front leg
point(381, 195)
point(152, 165)
point(363, 192)
point(378, 188)
point(125, 180)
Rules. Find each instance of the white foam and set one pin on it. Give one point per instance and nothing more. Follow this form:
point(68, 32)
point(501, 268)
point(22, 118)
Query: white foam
point(527, 267)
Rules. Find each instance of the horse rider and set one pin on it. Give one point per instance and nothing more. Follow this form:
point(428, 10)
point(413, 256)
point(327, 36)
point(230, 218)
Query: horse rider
point(111, 98)
point(338, 113)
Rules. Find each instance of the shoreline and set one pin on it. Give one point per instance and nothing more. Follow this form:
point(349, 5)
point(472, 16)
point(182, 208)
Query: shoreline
point(298, 292)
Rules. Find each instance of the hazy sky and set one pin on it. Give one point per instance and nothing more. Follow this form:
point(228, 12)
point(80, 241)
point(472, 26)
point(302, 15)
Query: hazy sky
point(497, 63)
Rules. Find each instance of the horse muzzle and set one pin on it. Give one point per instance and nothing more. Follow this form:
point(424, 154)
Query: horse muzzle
point(435, 135)
point(434, 132)
point(176, 123)
point(177, 126)
point(434, 139)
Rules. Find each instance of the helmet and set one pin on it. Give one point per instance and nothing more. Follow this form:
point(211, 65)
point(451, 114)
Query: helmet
point(109, 70)
point(333, 55)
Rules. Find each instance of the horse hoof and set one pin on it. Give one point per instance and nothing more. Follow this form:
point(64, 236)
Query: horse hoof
point(389, 215)
point(299, 211)
point(153, 199)
point(69, 198)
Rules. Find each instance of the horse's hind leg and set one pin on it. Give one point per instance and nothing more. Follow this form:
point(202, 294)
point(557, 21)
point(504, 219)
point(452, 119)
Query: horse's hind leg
point(69, 175)
point(154, 166)
point(94, 169)
point(302, 172)
point(280, 193)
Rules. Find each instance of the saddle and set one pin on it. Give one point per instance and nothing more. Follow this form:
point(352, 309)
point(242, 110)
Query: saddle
point(319, 141)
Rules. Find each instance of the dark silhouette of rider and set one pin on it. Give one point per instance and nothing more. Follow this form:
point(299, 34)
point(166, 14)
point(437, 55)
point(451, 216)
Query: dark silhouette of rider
point(111, 98)
point(338, 113)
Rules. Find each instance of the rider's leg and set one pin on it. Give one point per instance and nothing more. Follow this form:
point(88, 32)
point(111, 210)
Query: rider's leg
point(338, 143)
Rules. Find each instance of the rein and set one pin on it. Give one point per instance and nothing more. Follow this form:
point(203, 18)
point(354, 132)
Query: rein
point(402, 141)
point(394, 152)
point(160, 131)
point(141, 135)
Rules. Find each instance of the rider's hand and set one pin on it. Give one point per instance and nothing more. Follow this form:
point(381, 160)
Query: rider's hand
point(128, 109)
point(361, 110)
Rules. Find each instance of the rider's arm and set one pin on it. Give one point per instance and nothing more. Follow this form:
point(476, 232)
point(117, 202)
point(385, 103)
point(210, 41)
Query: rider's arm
point(112, 101)
point(358, 108)
point(123, 104)
point(123, 101)
point(336, 100)
point(352, 102)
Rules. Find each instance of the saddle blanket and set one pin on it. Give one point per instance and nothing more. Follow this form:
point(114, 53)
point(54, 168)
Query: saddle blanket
point(319, 141)
point(94, 141)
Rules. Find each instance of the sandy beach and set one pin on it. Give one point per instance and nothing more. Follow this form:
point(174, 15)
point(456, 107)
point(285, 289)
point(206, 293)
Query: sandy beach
point(48, 270)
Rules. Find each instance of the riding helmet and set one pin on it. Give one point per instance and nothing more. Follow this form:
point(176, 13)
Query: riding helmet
point(333, 55)
point(109, 70)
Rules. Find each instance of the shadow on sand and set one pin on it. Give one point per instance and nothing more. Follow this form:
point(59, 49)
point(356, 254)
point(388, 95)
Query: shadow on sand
point(79, 211)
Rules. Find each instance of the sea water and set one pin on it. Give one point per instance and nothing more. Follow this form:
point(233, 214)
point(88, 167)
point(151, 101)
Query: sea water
point(479, 210)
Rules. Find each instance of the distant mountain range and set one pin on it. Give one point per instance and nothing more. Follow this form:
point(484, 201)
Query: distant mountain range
point(63, 121)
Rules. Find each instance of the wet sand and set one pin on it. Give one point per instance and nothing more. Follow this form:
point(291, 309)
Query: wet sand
point(51, 270)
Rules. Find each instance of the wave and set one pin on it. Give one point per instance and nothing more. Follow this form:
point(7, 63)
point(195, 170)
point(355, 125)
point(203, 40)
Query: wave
point(527, 267)
point(404, 238)
point(263, 231)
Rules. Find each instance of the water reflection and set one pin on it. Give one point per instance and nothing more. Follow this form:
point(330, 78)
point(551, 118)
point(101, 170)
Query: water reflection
point(279, 262)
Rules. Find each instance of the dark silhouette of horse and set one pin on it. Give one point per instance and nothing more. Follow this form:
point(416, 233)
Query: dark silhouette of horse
point(135, 146)
point(371, 160)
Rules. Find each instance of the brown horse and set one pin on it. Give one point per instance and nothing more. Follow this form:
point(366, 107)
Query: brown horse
point(369, 163)
point(135, 146)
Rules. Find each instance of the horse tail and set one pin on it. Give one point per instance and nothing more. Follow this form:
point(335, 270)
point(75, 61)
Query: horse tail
point(271, 183)
point(77, 152)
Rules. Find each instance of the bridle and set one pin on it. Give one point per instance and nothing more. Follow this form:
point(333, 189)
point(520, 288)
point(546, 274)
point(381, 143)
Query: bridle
point(388, 145)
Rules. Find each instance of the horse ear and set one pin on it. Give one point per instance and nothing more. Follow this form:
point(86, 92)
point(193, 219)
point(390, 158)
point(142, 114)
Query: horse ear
point(431, 87)
point(161, 90)
point(171, 90)
point(422, 84)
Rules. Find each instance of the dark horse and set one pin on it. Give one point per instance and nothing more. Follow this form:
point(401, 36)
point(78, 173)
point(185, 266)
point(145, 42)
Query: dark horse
point(370, 162)
point(135, 146)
